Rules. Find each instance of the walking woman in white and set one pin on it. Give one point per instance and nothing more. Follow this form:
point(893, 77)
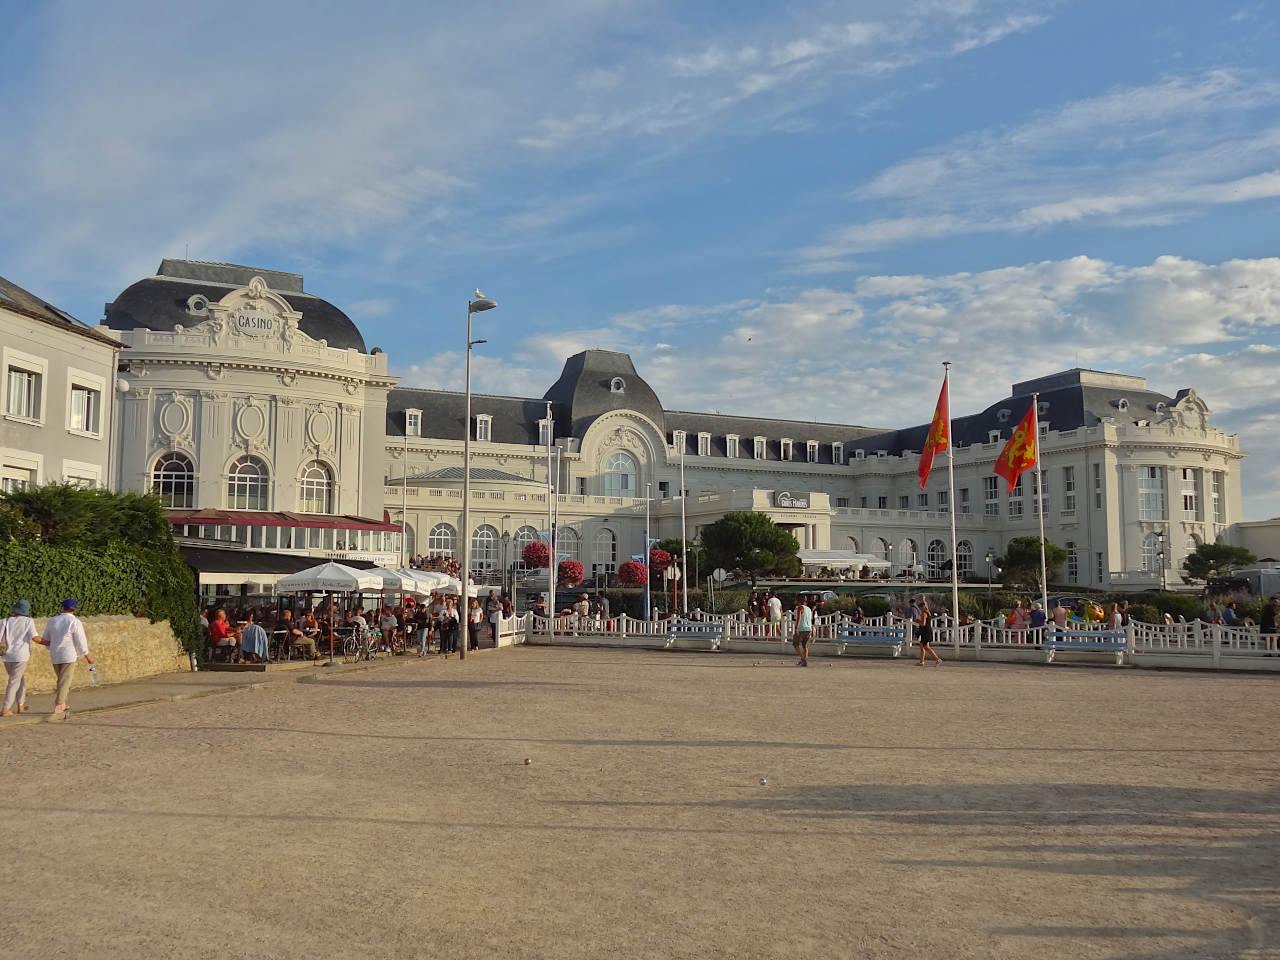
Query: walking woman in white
point(64, 636)
point(17, 633)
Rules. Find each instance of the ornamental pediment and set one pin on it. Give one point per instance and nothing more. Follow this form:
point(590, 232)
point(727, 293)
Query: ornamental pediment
point(252, 318)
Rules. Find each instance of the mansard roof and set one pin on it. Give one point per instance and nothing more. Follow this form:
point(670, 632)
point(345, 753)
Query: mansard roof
point(1069, 400)
point(515, 419)
point(161, 302)
point(13, 297)
point(748, 428)
point(596, 382)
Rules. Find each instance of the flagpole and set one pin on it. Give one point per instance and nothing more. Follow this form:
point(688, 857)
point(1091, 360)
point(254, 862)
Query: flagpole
point(1035, 433)
point(951, 503)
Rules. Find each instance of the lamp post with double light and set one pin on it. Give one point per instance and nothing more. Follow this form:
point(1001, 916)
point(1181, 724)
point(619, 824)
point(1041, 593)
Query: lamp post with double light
point(478, 305)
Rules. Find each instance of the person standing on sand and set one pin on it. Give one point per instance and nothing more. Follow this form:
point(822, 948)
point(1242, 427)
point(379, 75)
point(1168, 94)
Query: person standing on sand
point(64, 636)
point(922, 618)
point(804, 631)
point(17, 633)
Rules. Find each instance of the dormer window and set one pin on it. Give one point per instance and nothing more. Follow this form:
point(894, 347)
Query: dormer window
point(546, 432)
point(786, 449)
point(677, 440)
point(1042, 408)
point(617, 385)
point(731, 445)
point(837, 453)
point(811, 451)
point(758, 448)
point(1122, 404)
point(413, 423)
point(881, 454)
point(484, 427)
point(859, 454)
point(1002, 416)
point(993, 436)
point(704, 444)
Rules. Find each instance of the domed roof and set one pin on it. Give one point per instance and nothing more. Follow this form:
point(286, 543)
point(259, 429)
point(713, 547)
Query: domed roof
point(595, 382)
point(162, 302)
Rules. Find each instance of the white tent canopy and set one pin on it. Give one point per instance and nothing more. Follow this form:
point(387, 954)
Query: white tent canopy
point(395, 581)
point(425, 581)
point(329, 578)
point(840, 559)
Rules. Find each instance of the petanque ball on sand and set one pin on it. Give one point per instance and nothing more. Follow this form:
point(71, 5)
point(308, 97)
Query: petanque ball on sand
point(763, 781)
point(527, 761)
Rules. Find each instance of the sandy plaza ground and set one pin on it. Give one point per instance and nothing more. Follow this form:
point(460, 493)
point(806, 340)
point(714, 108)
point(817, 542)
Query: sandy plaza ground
point(968, 810)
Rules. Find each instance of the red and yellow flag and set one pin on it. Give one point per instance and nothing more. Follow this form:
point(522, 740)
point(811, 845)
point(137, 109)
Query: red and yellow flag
point(939, 437)
point(1020, 452)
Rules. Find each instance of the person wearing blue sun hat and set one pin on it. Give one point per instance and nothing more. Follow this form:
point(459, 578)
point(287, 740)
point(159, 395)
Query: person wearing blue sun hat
point(64, 636)
point(17, 633)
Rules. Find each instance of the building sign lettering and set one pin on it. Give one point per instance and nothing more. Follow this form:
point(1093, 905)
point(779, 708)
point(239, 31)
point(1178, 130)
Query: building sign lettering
point(793, 501)
point(249, 322)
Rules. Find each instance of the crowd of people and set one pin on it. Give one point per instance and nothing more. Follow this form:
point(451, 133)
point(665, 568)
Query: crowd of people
point(387, 628)
point(439, 564)
point(65, 639)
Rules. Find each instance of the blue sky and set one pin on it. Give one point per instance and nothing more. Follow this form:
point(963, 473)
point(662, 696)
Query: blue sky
point(791, 210)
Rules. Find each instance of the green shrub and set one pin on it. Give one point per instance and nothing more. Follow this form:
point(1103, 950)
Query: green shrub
point(1145, 613)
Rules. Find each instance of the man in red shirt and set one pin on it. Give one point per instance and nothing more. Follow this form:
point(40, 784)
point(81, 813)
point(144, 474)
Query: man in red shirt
point(222, 636)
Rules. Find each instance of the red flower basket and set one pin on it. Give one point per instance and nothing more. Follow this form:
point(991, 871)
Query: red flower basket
point(536, 554)
point(633, 572)
point(659, 560)
point(570, 573)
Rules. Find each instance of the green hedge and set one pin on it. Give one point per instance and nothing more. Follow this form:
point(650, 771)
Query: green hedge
point(121, 579)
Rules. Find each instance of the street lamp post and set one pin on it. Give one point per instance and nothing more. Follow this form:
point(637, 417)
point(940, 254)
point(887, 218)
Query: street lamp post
point(1164, 550)
point(506, 561)
point(478, 305)
point(991, 559)
point(647, 487)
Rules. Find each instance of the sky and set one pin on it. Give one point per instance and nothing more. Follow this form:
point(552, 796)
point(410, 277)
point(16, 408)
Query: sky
point(791, 210)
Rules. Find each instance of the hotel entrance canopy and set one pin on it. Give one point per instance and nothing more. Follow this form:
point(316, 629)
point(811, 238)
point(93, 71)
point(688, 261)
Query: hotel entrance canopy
point(839, 559)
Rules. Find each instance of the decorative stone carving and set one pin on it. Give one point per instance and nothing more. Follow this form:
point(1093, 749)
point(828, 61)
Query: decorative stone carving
point(289, 377)
point(351, 386)
point(319, 427)
point(251, 420)
point(214, 371)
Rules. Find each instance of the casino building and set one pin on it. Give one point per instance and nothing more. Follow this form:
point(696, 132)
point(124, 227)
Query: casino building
point(256, 411)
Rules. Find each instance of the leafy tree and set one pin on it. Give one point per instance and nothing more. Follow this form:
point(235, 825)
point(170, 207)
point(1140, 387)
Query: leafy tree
point(751, 545)
point(675, 548)
point(1216, 560)
point(1021, 562)
point(14, 524)
point(61, 512)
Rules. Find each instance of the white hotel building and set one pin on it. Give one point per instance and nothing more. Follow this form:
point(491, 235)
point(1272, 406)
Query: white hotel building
point(258, 413)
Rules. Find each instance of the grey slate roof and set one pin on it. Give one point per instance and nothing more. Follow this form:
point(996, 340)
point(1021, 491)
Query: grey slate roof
point(1075, 398)
point(585, 389)
point(748, 428)
point(14, 298)
point(160, 302)
point(515, 419)
point(477, 473)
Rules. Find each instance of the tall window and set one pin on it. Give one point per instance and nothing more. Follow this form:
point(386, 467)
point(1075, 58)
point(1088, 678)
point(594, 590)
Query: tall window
point(935, 557)
point(174, 480)
point(677, 440)
point(442, 541)
point(962, 500)
point(605, 557)
point(1151, 553)
point(704, 444)
point(908, 553)
point(904, 501)
point(484, 427)
point(247, 485)
point(1100, 571)
point(882, 548)
point(786, 449)
point(1190, 494)
point(1015, 498)
point(523, 537)
point(811, 451)
point(1069, 490)
point(413, 423)
point(882, 502)
point(1038, 501)
point(86, 406)
point(545, 432)
point(991, 496)
point(24, 393)
point(944, 500)
point(1219, 497)
point(1073, 562)
point(568, 544)
point(964, 559)
point(757, 449)
point(731, 445)
point(620, 476)
point(837, 453)
point(1097, 490)
point(853, 544)
point(922, 501)
point(315, 490)
point(1151, 493)
point(484, 549)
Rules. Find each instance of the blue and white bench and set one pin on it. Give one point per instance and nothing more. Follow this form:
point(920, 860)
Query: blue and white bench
point(893, 638)
point(1087, 641)
point(713, 633)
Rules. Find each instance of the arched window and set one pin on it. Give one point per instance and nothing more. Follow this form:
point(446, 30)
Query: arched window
point(484, 549)
point(882, 548)
point(524, 536)
point(620, 476)
point(174, 481)
point(1151, 553)
point(442, 541)
point(853, 544)
point(315, 488)
point(567, 543)
point(605, 559)
point(935, 557)
point(964, 559)
point(908, 553)
point(248, 485)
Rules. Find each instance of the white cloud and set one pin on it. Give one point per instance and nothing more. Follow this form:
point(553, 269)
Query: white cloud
point(1149, 154)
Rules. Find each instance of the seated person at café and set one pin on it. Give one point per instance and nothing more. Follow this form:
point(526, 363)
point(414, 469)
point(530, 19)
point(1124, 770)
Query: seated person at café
point(295, 636)
point(253, 642)
point(222, 636)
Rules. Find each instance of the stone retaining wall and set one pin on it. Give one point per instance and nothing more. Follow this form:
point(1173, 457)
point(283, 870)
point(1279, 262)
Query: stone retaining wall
point(124, 647)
